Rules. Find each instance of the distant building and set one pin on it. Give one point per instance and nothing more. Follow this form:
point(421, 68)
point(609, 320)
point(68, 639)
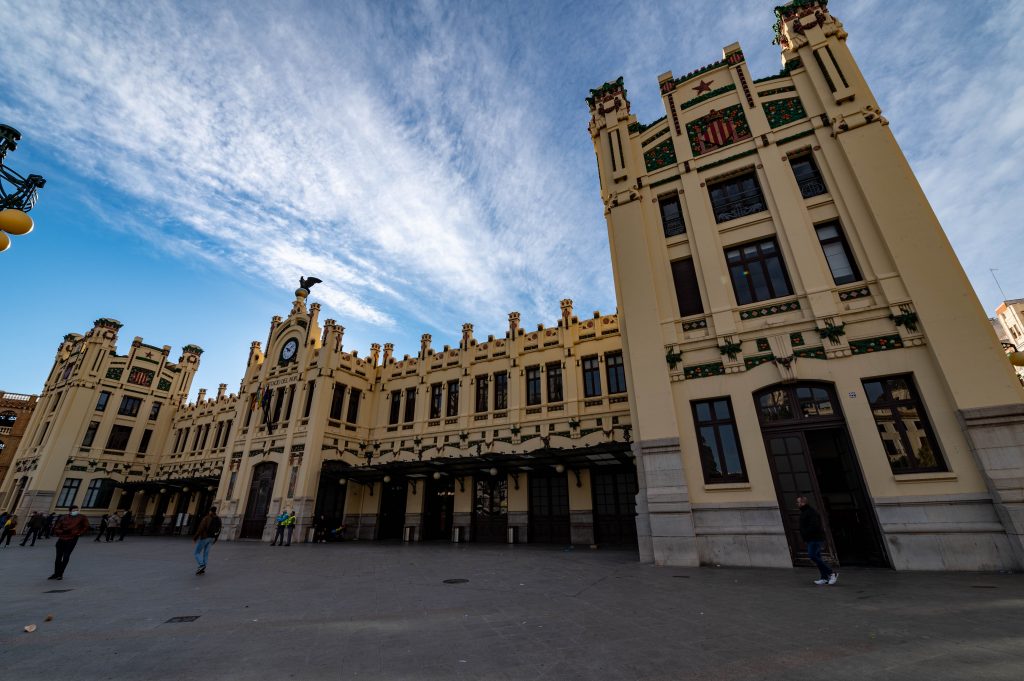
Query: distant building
point(795, 322)
point(15, 410)
point(1009, 326)
point(523, 437)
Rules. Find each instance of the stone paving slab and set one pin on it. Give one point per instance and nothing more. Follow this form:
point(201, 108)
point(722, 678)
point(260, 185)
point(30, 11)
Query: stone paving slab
point(366, 610)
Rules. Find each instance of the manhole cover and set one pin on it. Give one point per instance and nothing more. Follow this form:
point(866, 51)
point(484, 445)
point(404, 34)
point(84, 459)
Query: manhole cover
point(57, 591)
point(455, 581)
point(186, 618)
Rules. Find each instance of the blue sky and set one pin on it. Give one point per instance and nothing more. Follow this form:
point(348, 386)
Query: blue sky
point(429, 161)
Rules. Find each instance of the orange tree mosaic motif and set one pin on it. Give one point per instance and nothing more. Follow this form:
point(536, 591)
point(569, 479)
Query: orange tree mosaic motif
point(782, 111)
point(718, 129)
point(660, 155)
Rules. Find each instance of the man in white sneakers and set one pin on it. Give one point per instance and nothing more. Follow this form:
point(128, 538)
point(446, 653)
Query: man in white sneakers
point(813, 534)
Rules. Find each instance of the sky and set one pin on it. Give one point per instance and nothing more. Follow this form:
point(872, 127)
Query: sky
point(429, 161)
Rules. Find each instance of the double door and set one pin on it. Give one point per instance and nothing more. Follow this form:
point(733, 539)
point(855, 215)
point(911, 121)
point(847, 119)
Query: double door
point(258, 504)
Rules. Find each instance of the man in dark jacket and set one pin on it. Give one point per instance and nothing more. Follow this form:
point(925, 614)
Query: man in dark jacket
point(126, 524)
point(206, 534)
point(34, 528)
point(68, 529)
point(813, 534)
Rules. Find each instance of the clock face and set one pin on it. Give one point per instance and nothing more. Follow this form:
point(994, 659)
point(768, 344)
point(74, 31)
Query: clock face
point(289, 350)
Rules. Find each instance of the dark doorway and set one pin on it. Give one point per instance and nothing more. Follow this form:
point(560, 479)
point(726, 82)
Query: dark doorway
point(392, 509)
point(438, 508)
point(810, 454)
point(490, 509)
point(614, 493)
point(330, 507)
point(549, 508)
point(258, 504)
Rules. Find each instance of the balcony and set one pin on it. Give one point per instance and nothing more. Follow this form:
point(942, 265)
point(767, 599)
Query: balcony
point(811, 185)
point(739, 205)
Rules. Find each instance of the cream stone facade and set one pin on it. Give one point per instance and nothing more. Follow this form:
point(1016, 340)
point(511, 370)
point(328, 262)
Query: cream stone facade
point(795, 322)
point(521, 438)
point(1009, 326)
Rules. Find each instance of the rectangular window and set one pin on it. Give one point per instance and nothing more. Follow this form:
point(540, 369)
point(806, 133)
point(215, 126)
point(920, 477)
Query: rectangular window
point(195, 440)
point(206, 433)
point(718, 441)
point(616, 372)
point(482, 390)
point(410, 404)
point(278, 404)
point(735, 197)
point(554, 375)
point(42, 433)
point(687, 289)
point(902, 423)
point(837, 253)
point(144, 445)
point(671, 215)
point(56, 401)
point(435, 401)
point(101, 402)
point(453, 398)
point(309, 399)
point(90, 433)
point(353, 404)
point(807, 176)
point(757, 272)
point(396, 407)
point(227, 433)
point(154, 411)
point(291, 481)
point(68, 492)
point(231, 483)
point(118, 439)
point(129, 406)
point(291, 399)
point(501, 390)
point(99, 493)
point(533, 385)
point(216, 437)
point(591, 377)
point(184, 438)
point(336, 401)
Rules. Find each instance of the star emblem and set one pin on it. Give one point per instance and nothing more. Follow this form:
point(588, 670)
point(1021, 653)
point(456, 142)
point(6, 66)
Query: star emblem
point(703, 86)
point(149, 354)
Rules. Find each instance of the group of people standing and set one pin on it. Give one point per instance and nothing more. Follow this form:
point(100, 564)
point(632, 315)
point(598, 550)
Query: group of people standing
point(115, 524)
point(39, 526)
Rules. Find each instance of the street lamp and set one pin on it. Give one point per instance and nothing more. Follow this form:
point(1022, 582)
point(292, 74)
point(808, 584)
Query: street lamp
point(16, 202)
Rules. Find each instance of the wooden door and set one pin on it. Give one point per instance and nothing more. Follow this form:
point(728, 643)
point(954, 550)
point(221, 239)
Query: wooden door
point(549, 508)
point(258, 505)
point(614, 494)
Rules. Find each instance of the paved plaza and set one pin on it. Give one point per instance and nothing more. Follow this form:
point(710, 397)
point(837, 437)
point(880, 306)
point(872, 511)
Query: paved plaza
point(365, 610)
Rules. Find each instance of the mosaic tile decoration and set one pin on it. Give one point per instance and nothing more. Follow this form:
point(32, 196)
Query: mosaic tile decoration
point(163, 384)
point(663, 131)
point(640, 127)
point(762, 345)
point(783, 111)
point(796, 339)
point(810, 353)
point(752, 362)
point(865, 345)
point(704, 370)
point(717, 130)
point(851, 294)
point(659, 156)
point(693, 326)
point(770, 310)
point(115, 374)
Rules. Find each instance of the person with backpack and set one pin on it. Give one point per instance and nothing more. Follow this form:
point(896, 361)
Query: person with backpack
point(206, 534)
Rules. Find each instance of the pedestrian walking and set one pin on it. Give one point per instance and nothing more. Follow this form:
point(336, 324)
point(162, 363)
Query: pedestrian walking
point(104, 519)
point(126, 524)
point(289, 524)
point(206, 534)
point(50, 520)
point(279, 528)
point(68, 529)
point(34, 527)
point(10, 527)
point(813, 534)
point(113, 526)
